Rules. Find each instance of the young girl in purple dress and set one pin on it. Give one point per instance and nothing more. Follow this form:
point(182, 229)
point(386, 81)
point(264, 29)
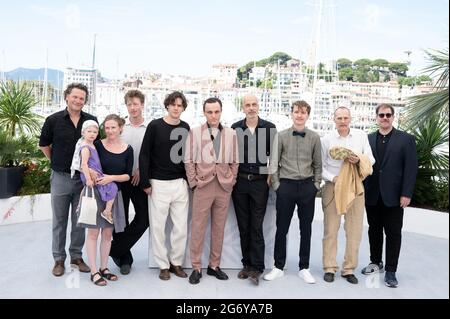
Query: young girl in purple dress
point(90, 160)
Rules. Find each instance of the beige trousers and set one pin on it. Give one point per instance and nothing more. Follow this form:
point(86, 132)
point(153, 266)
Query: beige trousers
point(168, 199)
point(353, 225)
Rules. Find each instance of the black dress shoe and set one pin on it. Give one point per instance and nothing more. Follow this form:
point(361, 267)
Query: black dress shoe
point(194, 278)
point(218, 273)
point(351, 278)
point(125, 269)
point(328, 277)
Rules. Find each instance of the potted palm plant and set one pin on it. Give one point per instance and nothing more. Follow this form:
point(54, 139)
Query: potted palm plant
point(14, 153)
point(18, 124)
point(427, 120)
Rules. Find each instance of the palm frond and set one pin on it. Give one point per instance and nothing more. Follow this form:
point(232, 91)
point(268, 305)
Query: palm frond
point(432, 144)
point(422, 107)
point(16, 103)
point(438, 66)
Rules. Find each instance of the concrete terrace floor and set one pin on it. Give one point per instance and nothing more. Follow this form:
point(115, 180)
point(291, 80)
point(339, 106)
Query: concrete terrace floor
point(27, 262)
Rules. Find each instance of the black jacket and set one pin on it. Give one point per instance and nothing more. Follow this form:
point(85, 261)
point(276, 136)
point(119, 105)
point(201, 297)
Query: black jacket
point(396, 174)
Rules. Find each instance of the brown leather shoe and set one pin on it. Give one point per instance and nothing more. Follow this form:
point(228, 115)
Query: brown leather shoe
point(178, 271)
point(254, 277)
point(243, 274)
point(58, 268)
point(80, 264)
point(164, 274)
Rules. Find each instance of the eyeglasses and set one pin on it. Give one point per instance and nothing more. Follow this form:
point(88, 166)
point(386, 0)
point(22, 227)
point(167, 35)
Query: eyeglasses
point(382, 115)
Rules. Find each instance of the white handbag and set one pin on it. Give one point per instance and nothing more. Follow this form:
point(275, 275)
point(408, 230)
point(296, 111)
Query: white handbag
point(87, 207)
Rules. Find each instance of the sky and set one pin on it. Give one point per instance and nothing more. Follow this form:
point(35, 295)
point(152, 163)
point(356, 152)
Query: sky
point(188, 37)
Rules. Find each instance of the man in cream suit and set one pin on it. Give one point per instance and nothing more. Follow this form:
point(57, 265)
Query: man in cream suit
point(211, 162)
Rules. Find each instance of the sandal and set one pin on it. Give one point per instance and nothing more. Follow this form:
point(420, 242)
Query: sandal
point(107, 217)
point(108, 275)
point(100, 281)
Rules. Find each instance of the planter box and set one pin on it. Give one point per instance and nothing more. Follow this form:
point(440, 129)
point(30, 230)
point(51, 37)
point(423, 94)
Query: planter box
point(11, 179)
point(22, 209)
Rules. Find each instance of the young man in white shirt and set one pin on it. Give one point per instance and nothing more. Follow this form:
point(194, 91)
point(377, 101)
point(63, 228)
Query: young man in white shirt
point(133, 134)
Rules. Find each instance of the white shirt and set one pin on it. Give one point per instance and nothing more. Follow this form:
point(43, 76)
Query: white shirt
point(134, 135)
point(356, 140)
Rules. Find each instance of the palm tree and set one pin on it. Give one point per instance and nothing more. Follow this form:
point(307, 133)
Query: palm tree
point(16, 101)
point(422, 107)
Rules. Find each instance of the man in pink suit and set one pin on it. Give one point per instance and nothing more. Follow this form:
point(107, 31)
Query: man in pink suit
point(211, 162)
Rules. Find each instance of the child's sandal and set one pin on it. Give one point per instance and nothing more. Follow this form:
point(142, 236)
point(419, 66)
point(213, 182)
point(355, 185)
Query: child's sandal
point(108, 219)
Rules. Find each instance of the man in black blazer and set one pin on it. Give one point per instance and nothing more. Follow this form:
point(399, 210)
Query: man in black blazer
point(388, 191)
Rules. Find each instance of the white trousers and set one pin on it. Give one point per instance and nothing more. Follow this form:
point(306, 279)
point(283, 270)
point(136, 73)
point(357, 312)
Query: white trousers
point(169, 198)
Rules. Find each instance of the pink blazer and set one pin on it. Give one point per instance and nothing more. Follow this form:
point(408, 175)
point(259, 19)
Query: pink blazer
point(201, 162)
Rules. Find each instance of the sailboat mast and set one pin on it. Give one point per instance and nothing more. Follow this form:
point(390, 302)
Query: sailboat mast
point(45, 88)
point(315, 60)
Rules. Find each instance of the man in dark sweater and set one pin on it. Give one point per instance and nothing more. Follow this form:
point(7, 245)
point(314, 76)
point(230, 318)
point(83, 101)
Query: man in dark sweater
point(163, 178)
point(388, 191)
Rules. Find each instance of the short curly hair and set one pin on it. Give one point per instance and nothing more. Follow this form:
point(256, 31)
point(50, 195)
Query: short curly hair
point(79, 86)
point(172, 97)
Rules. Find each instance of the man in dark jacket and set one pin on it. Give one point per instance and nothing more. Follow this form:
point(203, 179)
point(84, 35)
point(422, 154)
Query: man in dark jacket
point(388, 191)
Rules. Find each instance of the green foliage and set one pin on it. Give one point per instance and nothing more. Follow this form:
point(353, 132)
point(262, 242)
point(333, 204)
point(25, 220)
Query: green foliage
point(346, 74)
point(431, 135)
point(268, 84)
point(343, 63)
point(363, 63)
point(431, 194)
point(380, 63)
point(433, 158)
point(15, 151)
point(366, 70)
point(421, 107)
point(16, 102)
point(374, 76)
point(398, 68)
point(413, 80)
point(361, 76)
point(441, 190)
point(424, 78)
point(273, 59)
point(24, 151)
point(36, 179)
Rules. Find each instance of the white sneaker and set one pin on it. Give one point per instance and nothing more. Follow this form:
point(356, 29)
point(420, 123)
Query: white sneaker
point(274, 274)
point(306, 276)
